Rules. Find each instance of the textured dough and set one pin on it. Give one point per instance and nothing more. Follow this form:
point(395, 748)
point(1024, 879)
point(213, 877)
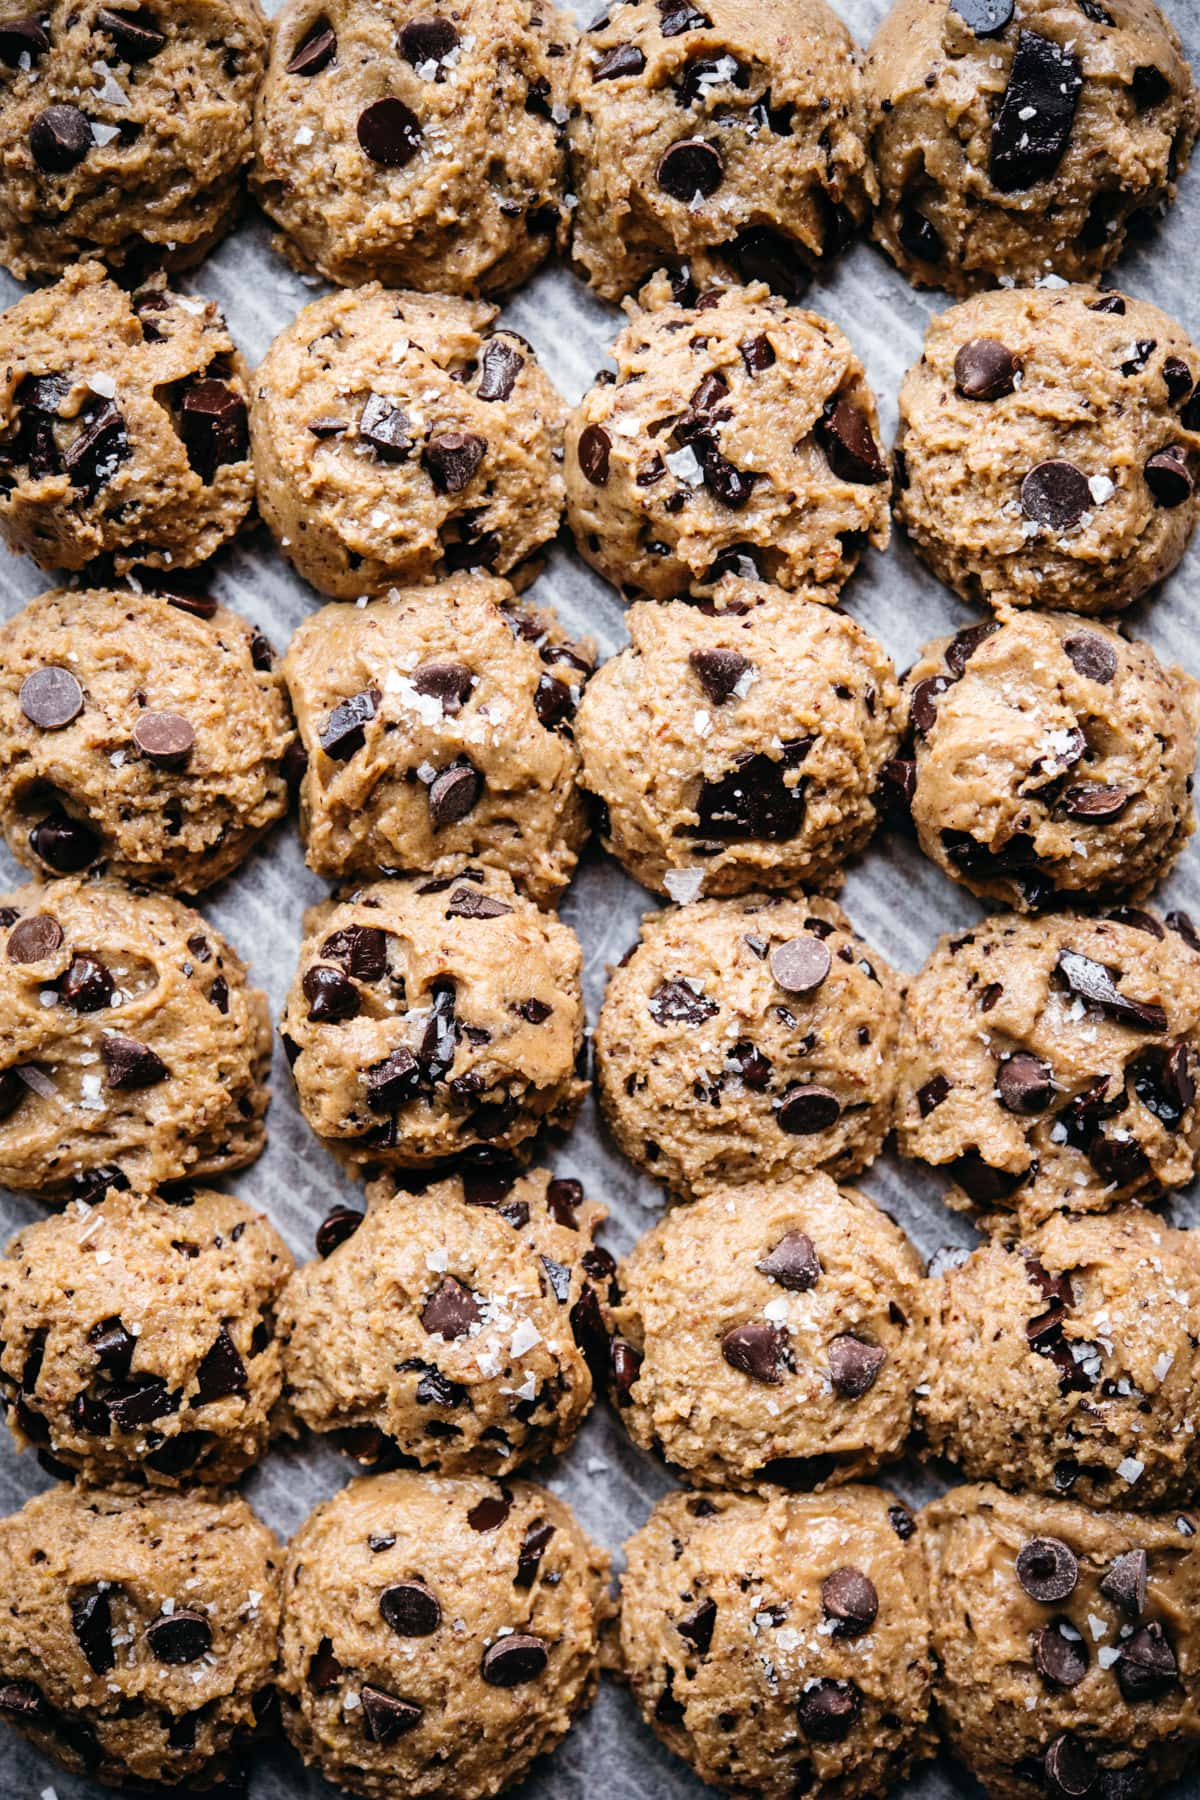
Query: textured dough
point(744, 1376)
point(701, 1053)
point(134, 1051)
point(398, 438)
point(469, 196)
point(771, 90)
point(713, 451)
point(448, 1015)
point(137, 1641)
point(743, 747)
point(460, 675)
point(170, 131)
point(1104, 387)
point(122, 426)
point(142, 816)
point(1057, 762)
point(731, 1653)
point(951, 218)
point(139, 1337)
point(1070, 1362)
point(1043, 1085)
point(997, 1710)
point(444, 1711)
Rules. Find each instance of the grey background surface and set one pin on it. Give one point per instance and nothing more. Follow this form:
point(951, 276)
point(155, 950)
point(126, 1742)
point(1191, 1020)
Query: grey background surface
point(897, 900)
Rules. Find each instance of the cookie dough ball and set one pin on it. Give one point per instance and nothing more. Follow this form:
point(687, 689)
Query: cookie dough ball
point(123, 426)
point(1012, 143)
point(1051, 761)
point(439, 1634)
point(437, 727)
point(736, 438)
point(429, 1017)
point(1066, 1641)
point(727, 132)
point(781, 1646)
point(139, 1337)
point(739, 749)
point(1069, 1362)
point(134, 1053)
point(416, 143)
point(137, 1639)
point(1049, 448)
point(1050, 1064)
point(748, 1040)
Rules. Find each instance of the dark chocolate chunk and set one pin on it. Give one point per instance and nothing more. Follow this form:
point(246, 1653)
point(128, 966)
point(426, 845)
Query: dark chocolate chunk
point(621, 60)
point(678, 16)
point(386, 1716)
point(180, 1637)
point(452, 459)
point(427, 40)
point(533, 1547)
point(1093, 657)
point(696, 1626)
point(214, 426)
point(1069, 1768)
point(499, 367)
point(986, 18)
point(919, 236)
point(593, 454)
point(91, 1621)
point(331, 997)
point(339, 1224)
point(386, 427)
point(92, 456)
point(931, 1094)
point(1025, 1083)
point(23, 37)
point(827, 1710)
point(844, 434)
point(451, 1310)
point(344, 730)
point(469, 903)
point(1096, 984)
point(314, 52)
point(360, 949)
point(1048, 79)
point(1092, 800)
point(679, 1001)
point(754, 800)
point(393, 1081)
point(1146, 1668)
point(1060, 1654)
point(129, 1064)
point(1169, 476)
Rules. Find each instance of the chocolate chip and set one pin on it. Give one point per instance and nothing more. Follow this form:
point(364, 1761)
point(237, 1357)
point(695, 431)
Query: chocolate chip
point(33, 939)
point(451, 1310)
point(91, 1621)
point(680, 1002)
point(1033, 126)
point(500, 365)
point(331, 997)
point(87, 985)
point(931, 1094)
point(760, 254)
point(51, 697)
point(129, 1064)
point(23, 37)
point(533, 1547)
point(1069, 1767)
point(626, 1365)
point(447, 682)
point(1149, 87)
point(1055, 494)
point(1060, 1654)
point(564, 1196)
point(590, 1333)
point(343, 731)
point(454, 792)
point(1096, 984)
point(678, 16)
point(389, 132)
point(854, 1366)
point(1093, 657)
point(489, 1513)
point(793, 1263)
point(324, 1669)
point(513, 1660)
point(386, 427)
point(1182, 925)
point(1177, 378)
point(452, 457)
point(923, 703)
point(112, 1346)
point(807, 1109)
point(593, 454)
point(180, 1637)
point(848, 1598)
point(964, 644)
point(165, 739)
point(1125, 1583)
point(386, 1716)
point(844, 434)
point(696, 1626)
point(393, 1081)
point(986, 18)
point(919, 236)
point(622, 59)
point(328, 427)
point(411, 1609)
point(1146, 1668)
point(1025, 1083)
point(985, 369)
point(801, 964)
point(1047, 1570)
point(1163, 1082)
point(340, 1223)
point(214, 426)
point(59, 139)
point(719, 672)
point(428, 40)
point(827, 1710)
point(1169, 476)
point(690, 167)
point(902, 1522)
point(1113, 304)
point(758, 1349)
point(757, 353)
point(755, 799)
point(360, 949)
point(314, 52)
point(469, 903)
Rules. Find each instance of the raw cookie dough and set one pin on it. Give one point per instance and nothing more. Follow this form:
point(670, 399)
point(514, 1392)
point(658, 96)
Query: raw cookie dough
point(442, 1328)
point(134, 1051)
point(416, 143)
point(781, 1646)
point(742, 747)
point(1050, 1064)
point(137, 1639)
point(1069, 1362)
point(123, 426)
point(1067, 1643)
point(124, 130)
point(139, 1337)
point(1011, 143)
point(748, 1040)
point(732, 132)
point(138, 735)
point(740, 437)
point(771, 1334)
point(1052, 762)
point(432, 1016)
point(439, 1634)
point(391, 696)
point(1049, 448)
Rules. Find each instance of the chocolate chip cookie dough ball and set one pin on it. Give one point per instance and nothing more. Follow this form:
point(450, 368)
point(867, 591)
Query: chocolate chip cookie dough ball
point(748, 1040)
point(431, 1016)
point(1067, 1643)
point(722, 131)
point(1051, 760)
point(439, 1634)
point(1048, 1065)
point(416, 143)
point(437, 728)
point(1016, 142)
point(738, 438)
point(781, 1646)
point(134, 1051)
point(139, 1338)
point(122, 426)
point(137, 1642)
point(1069, 1363)
point(739, 749)
point(1049, 448)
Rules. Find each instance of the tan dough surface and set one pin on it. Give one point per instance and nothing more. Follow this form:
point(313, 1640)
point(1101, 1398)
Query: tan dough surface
point(96, 388)
point(98, 1586)
point(381, 1711)
point(1103, 388)
point(747, 1376)
point(732, 1657)
point(701, 1053)
point(469, 194)
point(999, 1712)
point(460, 675)
point(950, 217)
point(1043, 1085)
point(150, 1061)
point(711, 451)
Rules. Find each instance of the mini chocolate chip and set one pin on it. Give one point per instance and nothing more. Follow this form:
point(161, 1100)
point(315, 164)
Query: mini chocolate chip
point(499, 367)
point(33, 939)
point(411, 1609)
point(344, 730)
point(690, 167)
point(360, 949)
point(338, 1226)
point(214, 426)
point(1146, 1668)
point(222, 1371)
point(827, 1710)
point(1060, 1654)
point(1047, 1570)
point(314, 52)
point(793, 1263)
point(452, 458)
point(986, 18)
point(844, 434)
point(490, 1513)
point(386, 1716)
point(719, 672)
point(931, 1094)
point(758, 1349)
point(165, 739)
point(447, 682)
point(451, 1310)
point(513, 1660)
point(59, 139)
point(129, 1064)
point(1055, 494)
point(386, 427)
point(849, 1599)
point(389, 132)
point(1096, 984)
point(1033, 125)
point(23, 37)
point(1069, 1768)
point(1125, 1583)
point(680, 1002)
point(1093, 657)
point(180, 1637)
point(806, 1109)
point(331, 997)
point(985, 369)
point(87, 985)
point(854, 1366)
point(696, 1626)
point(51, 697)
point(622, 59)
point(1169, 476)
point(801, 964)
point(533, 1547)
point(393, 1081)
point(428, 40)
point(91, 1621)
point(1025, 1083)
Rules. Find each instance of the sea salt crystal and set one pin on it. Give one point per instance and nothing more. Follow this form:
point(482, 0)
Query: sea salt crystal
point(1130, 1469)
point(683, 884)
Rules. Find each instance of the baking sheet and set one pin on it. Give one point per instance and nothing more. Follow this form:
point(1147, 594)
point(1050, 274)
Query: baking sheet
point(898, 901)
